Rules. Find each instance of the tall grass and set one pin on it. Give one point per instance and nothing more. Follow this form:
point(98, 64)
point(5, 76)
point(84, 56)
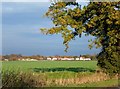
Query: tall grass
point(21, 79)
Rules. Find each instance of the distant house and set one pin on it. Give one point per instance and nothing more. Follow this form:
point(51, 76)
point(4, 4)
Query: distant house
point(54, 58)
point(19, 59)
point(77, 58)
point(82, 58)
point(33, 60)
point(22, 59)
point(48, 58)
point(63, 58)
point(6, 59)
point(41, 58)
point(67, 58)
point(28, 59)
point(70, 58)
point(88, 59)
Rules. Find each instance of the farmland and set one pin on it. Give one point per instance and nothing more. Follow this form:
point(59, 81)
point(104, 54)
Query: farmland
point(77, 66)
point(52, 69)
point(56, 73)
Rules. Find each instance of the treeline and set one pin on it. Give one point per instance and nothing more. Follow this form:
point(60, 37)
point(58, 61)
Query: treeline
point(93, 57)
point(13, 57)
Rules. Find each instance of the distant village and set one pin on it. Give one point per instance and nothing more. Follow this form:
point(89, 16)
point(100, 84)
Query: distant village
point(15, 57)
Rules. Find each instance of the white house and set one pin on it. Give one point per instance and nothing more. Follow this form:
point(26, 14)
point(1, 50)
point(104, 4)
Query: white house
point(48, 58)
point(54, 58)
point(33, 60)
point(28, 59)
point(67, 58)
point(6, 59)
point(77, 59)
point(23, 59)
point(70, 58)
point(87, 59)
point(82, 58)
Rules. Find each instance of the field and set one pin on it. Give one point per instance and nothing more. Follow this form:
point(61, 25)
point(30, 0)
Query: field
point(35, 66)
point(59, 73)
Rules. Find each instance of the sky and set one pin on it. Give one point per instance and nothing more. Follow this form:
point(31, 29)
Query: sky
point(21, 23)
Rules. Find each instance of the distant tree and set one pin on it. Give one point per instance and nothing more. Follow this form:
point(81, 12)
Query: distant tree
point(93, 57)
point(75, 56)
point(99, 19)
point(6, 56)
point(86, 56)
point(13, 57)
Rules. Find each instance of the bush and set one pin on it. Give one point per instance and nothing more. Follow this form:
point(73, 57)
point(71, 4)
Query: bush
point(20, 79)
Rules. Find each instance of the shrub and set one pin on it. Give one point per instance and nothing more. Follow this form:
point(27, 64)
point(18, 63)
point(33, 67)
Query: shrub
point(20, 79)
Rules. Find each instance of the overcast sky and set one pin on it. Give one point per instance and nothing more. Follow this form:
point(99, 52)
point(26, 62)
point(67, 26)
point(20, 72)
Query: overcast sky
point(21, 22)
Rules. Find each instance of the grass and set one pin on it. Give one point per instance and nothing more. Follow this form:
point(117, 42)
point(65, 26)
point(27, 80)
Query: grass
point(53, 69)
point(55, 73)
point(28, 79)
point(37, 66)
point(105, 83)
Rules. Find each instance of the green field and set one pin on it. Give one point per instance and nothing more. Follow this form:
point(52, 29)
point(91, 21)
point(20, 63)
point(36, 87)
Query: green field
point(56, 73)
point(53, 69)
point(36, 66)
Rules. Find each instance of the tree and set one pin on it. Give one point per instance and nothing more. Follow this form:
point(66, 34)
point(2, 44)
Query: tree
point(99, 19)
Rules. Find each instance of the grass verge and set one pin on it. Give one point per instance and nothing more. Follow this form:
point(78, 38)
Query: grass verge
point(30, 79)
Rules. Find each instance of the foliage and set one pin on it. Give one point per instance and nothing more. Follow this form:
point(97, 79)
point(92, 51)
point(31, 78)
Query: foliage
point(21, 79)
point(14, 57)
point(99, 19)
